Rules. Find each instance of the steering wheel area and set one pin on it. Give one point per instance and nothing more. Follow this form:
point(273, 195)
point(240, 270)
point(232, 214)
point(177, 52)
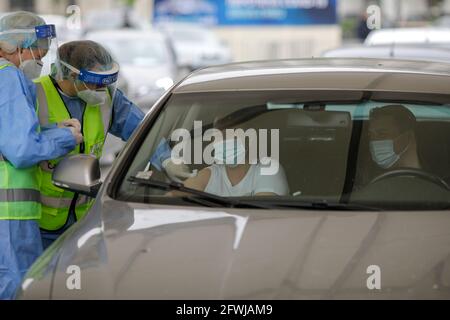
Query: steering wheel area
point(411, 173)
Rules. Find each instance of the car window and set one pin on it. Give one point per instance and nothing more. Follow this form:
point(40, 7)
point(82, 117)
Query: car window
point(384, 150)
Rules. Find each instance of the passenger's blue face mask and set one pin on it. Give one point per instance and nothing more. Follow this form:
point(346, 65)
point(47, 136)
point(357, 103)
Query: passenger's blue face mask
point(230, 152)
point(383, 153)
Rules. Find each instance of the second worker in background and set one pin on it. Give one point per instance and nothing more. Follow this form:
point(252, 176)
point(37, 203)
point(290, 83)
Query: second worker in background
point(82, 85)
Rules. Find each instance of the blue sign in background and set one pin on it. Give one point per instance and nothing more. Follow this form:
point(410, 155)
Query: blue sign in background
point(247, 12)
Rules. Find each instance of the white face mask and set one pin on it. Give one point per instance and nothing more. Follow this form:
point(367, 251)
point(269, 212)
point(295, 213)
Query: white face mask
point(31, 68)
point(92, 97)
point(230, 152)
point(383, 152)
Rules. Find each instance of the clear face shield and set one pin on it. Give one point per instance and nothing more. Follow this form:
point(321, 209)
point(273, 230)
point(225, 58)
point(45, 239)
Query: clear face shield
point(42, 45)
point(95, 87)
point(48, 44)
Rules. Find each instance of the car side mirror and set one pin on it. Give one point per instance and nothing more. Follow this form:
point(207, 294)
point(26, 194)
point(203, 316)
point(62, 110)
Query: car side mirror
point(78, 173)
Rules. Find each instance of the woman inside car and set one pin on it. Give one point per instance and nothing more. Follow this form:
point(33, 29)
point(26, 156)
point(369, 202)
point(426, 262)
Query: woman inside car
point(234, 174)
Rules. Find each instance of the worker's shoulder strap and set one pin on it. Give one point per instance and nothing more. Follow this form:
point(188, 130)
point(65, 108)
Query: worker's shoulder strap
point(107, 113)
point(42, 104)
point(5, 63)
point(43, 84)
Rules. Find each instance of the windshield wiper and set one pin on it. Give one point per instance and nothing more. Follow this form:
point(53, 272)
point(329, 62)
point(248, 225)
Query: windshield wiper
point(322, 205)
point(197, 196)
point(212, 200)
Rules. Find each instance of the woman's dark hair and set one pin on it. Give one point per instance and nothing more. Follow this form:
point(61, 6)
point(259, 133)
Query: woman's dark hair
point(403, 117)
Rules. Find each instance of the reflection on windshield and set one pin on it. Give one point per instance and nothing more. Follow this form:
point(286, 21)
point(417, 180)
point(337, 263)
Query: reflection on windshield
point(144, 220)
point(297, 145)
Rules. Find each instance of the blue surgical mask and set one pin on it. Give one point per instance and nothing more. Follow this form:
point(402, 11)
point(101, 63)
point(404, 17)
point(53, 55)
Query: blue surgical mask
point(230, 152)
point(383, 152)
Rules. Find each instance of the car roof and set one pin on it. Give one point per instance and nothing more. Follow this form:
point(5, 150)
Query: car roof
point(400, 51)
point(409, 35)
point(322, 74)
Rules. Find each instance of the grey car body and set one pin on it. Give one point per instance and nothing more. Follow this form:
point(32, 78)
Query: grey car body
point(127, 250)
point(410, 52)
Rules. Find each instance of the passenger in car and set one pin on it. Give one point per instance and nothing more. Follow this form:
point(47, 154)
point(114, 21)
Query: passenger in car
point(234, 175)
point(392, 137)
point(239, 180)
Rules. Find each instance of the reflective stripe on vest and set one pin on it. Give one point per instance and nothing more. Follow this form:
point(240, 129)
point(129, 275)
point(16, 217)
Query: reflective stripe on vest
point(16, 195)
point(5, 63)
point(56, 202)
point(19, 188)
point(62, 203)
point(43, 106)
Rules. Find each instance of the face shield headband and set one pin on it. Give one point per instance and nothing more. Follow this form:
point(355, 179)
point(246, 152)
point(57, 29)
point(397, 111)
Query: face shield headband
point(99, 78)
point(43, 32)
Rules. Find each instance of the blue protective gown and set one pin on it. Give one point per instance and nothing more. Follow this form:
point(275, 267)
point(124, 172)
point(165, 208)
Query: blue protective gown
point(20, 142)
point(23, 146)
point(161, 153)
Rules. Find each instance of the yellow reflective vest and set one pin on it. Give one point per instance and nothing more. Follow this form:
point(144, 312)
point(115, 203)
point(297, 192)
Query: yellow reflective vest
point(19, 189)
point(56, 202)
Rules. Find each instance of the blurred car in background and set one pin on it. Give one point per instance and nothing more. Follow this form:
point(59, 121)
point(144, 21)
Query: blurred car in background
point(430, 36)
point(443, 21)
point(117, 18)
point(195, 47)
point(410, 52)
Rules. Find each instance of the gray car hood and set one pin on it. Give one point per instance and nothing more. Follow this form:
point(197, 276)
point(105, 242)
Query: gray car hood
point(134, 251)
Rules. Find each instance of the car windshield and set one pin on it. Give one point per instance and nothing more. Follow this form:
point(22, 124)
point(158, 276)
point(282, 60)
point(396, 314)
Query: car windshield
point(387, 150)
point(151, 52)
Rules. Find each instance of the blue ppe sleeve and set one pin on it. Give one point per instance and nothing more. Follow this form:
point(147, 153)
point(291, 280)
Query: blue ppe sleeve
point(126, 116)
point(161, 153)
point(20, 246)
point(49, 126)
point(20, 141)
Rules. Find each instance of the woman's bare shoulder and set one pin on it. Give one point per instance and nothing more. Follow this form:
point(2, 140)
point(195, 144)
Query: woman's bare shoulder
point(200, 181)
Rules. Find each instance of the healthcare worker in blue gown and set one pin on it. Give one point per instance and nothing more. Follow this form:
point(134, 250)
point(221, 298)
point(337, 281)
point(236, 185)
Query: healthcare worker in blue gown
point(24, 40)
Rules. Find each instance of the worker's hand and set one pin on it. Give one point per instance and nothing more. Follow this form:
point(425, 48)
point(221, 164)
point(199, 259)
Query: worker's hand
point(70, 123)
point(177, 172)
point(76, 134)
